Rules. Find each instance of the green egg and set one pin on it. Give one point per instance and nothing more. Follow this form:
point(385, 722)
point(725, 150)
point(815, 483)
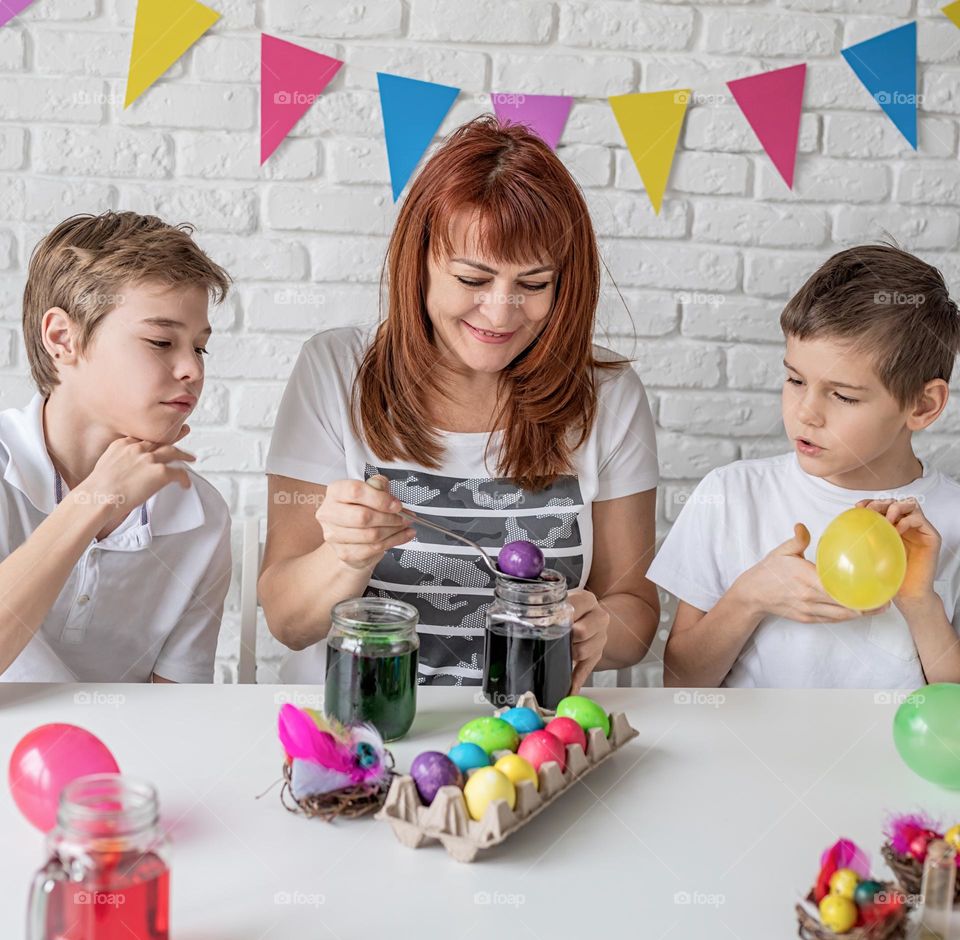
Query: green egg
point(492, 734)
point(585, 712)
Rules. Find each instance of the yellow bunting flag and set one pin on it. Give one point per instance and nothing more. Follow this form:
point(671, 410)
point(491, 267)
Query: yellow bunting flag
point(163, 31)
point(650, 123)
point(952, 10)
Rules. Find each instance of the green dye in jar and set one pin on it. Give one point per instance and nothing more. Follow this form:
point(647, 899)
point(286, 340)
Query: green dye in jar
point(371, 672)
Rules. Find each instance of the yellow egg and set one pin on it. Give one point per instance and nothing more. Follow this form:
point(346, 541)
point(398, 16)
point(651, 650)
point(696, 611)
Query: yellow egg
point(838, 913)
point(517, 768)
point(844, 882)
point(952, 836)
point(485, 785)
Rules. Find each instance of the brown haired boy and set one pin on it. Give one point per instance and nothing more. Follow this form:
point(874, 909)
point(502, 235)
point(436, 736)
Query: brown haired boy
point(871, 340)
point(115, 557)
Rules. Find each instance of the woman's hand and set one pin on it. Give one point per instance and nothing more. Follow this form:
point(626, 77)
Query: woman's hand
point(360, 521)
point(590, 625)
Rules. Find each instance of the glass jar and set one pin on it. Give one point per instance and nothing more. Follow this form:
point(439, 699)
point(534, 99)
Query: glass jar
point(528, 645)
point(371, 672)
point(107, 875)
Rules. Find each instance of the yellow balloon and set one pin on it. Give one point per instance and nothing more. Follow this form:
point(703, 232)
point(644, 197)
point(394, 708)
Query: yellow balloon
point(861, 560)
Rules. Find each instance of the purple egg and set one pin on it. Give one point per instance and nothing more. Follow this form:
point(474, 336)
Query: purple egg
point(432, 770)
point(521, 559)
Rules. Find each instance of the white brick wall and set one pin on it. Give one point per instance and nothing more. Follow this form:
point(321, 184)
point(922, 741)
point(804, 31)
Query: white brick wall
point(305, 235)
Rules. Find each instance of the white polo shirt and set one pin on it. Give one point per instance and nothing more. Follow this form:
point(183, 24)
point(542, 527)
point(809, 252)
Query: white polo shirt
point(147, 598)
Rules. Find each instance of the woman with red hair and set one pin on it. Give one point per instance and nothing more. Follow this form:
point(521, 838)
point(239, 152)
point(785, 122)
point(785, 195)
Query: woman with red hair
point(483, 401)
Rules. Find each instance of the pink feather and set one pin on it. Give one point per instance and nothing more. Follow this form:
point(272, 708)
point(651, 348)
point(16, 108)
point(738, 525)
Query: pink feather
point(333, 754)
point(297, 733)
point(902, 827)
point(847, 854)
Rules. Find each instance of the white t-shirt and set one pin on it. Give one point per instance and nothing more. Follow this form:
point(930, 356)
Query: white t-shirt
point(739, 513)
point(313, 441)
point(147, 598)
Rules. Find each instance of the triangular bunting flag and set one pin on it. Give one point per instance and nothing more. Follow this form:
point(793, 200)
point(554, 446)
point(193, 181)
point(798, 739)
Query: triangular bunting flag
point(650, 123)
point(10, 8)
point(291, 79)
point(412, 111)
point(887, 66)
point(162, 32)
point(772, 103)
point(952, 10)
point(545, 115)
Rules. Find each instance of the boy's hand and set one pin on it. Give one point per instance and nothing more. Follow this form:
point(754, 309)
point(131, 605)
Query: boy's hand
point(785, 584)
point(130, 471)
point(920, 539)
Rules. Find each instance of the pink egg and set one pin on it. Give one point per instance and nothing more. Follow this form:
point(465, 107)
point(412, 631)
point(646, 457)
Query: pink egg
point(568, 731)
point(538, 747)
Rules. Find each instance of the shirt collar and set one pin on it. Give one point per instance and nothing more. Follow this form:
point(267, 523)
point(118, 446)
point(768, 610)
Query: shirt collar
point(839, 494)
point(30, 470)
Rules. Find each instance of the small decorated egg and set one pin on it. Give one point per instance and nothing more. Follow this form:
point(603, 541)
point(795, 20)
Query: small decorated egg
point(492, 734)
point(520, 559)
point(432, 770)
point(468, 755)
point(844, 882)
point(517, 768)
point(866, 891)
point(918, 844)
point(484, 786)
point(568, 731)
point(523, 719)
point(952, 837)
point(585, 712)
point(838, 913)
point(538, 747)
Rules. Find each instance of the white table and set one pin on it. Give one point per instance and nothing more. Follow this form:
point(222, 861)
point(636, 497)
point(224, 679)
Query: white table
point(707, 825)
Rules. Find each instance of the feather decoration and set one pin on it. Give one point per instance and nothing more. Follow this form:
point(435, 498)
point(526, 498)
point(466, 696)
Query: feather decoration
point(326, 755)
point(902, 828)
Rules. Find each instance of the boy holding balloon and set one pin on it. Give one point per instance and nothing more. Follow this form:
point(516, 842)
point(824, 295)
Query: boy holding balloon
point(114, 557)
point(871, 340)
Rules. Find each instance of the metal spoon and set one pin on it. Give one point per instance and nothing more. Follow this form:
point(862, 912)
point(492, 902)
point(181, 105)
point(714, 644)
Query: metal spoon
point(379, 484)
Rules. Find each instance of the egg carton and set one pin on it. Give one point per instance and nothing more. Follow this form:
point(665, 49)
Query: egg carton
point(447, 821)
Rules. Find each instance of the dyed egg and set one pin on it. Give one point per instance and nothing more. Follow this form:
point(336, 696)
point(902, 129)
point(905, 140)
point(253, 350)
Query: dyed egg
point(432, 770)
point(517, 768)
point(568, 731)
point(585, 712)
point(952, 837)
point(523, 719)
point(521, 559)
point(918, 844)
point(844, 882)
point(484, 786)
point(467, 756)
point(492, 734)
point(866, 891)
point(538, 747)
point(838, 913)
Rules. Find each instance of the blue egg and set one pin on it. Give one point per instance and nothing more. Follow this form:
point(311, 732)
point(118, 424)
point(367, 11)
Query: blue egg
point(523, 719)
point(468, 755)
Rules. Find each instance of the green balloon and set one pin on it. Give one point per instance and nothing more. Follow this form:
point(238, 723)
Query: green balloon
point(926, 732)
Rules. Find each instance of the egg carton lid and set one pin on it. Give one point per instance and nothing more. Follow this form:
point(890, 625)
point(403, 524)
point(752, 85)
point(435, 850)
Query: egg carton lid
point(447, 821)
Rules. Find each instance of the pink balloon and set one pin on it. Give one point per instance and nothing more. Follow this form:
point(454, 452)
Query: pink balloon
point(45, 760)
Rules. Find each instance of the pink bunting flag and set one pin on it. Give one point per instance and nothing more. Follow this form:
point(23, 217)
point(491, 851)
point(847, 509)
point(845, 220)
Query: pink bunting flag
point(291, 79)
point(10, 8)
point(773, 103)
point(545, 115)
